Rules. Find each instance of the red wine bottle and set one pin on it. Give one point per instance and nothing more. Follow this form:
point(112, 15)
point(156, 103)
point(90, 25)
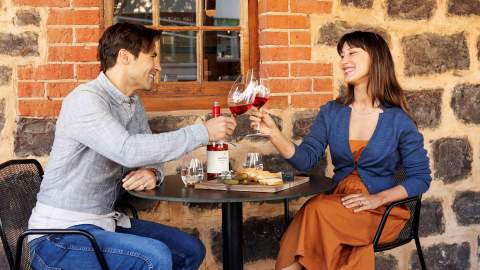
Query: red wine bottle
point(217, 152)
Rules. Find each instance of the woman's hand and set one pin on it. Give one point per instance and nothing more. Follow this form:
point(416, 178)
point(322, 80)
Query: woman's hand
point(363, 201)
point(141, 179)
point(262, 121)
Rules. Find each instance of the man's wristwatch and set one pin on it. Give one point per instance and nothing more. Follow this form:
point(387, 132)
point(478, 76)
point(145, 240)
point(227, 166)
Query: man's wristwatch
point(157, 175)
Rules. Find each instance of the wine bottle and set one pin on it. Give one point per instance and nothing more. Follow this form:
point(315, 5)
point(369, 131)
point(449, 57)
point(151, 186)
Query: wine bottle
point(217, 152)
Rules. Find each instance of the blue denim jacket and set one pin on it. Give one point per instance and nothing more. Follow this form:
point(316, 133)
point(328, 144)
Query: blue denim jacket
point(395, 141)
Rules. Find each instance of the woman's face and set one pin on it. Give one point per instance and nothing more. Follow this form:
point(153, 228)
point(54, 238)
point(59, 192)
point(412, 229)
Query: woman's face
point(355, 65)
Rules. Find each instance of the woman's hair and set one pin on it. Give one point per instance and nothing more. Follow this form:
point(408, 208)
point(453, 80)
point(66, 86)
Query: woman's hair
point(382, 85)
point(134, 38)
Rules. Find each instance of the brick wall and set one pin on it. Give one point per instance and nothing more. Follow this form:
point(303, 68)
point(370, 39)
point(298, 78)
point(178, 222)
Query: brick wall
point(48, 47)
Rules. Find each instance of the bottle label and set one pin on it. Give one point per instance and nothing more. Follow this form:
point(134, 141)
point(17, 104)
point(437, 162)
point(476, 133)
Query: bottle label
point(217, 161)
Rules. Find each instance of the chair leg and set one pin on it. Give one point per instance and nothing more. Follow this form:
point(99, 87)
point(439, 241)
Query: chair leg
point(420, 253)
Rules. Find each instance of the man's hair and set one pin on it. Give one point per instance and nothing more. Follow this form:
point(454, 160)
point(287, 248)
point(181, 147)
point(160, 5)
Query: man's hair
point(134, 38)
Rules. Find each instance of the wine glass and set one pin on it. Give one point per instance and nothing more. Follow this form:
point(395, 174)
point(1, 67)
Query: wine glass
point(241, 95)
point(191, 171)
point(253, 160)
point(262, 93)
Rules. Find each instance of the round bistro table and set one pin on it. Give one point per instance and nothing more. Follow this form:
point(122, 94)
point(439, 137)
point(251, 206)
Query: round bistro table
point(173, 190)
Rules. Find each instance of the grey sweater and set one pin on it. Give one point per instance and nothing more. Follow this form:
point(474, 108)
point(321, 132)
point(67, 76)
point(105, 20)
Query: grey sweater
point(100, 135)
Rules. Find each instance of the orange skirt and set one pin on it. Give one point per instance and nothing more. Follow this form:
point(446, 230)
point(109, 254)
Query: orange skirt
point(326, 235)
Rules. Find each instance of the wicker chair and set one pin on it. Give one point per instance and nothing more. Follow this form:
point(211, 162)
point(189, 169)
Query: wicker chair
point(19, 184)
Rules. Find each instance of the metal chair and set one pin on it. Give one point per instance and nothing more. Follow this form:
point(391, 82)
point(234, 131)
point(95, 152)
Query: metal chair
point(409, 231)
point(19, 184)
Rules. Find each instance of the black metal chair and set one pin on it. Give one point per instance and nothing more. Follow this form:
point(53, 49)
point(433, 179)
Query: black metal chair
point(409, 231)
point(19, 184)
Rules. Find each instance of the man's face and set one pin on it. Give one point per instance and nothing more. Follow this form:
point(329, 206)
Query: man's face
point(142, 70)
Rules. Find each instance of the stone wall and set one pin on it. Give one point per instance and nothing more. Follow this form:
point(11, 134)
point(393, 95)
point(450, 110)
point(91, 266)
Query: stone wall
point(47, 48)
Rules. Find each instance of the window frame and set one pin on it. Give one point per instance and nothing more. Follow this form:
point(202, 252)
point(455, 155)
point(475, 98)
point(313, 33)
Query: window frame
point(249, 50)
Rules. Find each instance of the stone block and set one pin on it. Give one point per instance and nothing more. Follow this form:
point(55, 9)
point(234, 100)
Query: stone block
point(463, 7)
point(5, 75)
point(261, 239)
point(425, 105)
point(427, 54)
point(330, 33)
point(452, 159)
point(302, 122)
point(465, 103)
point(170, 123)
point(27, 17)
point(444, 256)
point(466, 206)
point(383, 261)
point(2, 114)
point(276, 163)
point(411, 9)
point(243, 128)
point(432, 221)
point(23, 44)
point(358, 3)
point(34, 136)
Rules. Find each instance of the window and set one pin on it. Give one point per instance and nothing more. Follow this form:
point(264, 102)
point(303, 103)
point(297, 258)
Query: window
point(205, 44)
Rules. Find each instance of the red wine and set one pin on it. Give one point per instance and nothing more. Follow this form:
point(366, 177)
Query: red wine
point(240, 109)
point(217, 152)
point(259, 102)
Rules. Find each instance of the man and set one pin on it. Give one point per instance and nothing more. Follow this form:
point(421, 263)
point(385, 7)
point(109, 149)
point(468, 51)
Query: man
point(102, 144)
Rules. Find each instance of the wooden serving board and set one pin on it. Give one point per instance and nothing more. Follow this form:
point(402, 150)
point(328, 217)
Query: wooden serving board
point(216, 185)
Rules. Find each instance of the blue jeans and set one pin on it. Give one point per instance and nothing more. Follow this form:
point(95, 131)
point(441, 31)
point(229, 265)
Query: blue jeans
point(146, 245)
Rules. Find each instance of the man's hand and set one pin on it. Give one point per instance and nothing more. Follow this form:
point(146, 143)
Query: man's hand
point(141, 179)
point(220, 127)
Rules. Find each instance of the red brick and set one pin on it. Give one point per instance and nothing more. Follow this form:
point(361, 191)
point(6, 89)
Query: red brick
point(86, 3)
point(284, 54)
point(87, 34)
point(46, 72)
point(42, 3)
point(310, 69)
point(273, 70)
point(72, 53)
point(39, 107)
point(310, 101)
point(284, 22)
point(87, 71)
point(322, 85)
point(163, 103)
point(31, 89)
point(273, 38)
point(310, 6)
point(290, 85)
point(60, 89)
point(63, 35)
point(73, 17)
point(272, 6)
point(299, 38)
point(277, 102)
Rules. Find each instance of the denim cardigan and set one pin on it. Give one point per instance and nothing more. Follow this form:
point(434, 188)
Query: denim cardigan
point(396, 141)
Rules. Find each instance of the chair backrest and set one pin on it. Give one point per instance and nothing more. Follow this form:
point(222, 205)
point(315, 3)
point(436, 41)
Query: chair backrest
point(19, 184)
point(411, 226)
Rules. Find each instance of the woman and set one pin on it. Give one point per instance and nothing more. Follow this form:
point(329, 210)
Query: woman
point(370, 133)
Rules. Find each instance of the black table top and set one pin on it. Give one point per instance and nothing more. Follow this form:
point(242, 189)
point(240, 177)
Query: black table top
point(173, 190)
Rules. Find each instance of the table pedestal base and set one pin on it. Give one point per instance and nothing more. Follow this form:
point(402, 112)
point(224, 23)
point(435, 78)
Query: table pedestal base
point(232, 236)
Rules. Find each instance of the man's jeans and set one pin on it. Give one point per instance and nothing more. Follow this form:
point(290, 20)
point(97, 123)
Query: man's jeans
point(146, 245)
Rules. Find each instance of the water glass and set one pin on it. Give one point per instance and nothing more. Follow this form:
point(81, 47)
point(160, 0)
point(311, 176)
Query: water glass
point(253, 160)
point(191, 172)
